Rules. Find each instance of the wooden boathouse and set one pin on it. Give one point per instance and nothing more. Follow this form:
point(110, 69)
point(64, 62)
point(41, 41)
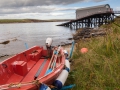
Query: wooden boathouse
point(91, 17)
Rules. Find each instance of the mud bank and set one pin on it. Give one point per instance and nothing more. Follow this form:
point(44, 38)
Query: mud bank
point(8, 41)
point(88, 33)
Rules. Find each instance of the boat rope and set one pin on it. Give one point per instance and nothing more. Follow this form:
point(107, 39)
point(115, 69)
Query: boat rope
point(36, 82)
point(51, 86)
point(11, 84)
point(19, 85)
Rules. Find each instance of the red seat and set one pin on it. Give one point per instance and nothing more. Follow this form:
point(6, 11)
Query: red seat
point(35, 55)
point(20, 67)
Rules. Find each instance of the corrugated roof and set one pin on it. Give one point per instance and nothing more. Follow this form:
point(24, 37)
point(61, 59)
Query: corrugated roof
point(93, 7)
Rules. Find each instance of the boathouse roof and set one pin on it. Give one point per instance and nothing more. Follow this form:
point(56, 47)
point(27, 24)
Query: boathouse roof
point(105, 5)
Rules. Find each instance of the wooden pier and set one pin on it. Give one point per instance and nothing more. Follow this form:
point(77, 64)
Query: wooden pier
point(91, 17)
point(91, 21)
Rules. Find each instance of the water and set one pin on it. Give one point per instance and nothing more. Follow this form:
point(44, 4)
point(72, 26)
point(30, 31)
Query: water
point(32, 34)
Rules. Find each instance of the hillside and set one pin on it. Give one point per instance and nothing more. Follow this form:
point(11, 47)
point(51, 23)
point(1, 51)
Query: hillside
point(98, 69)
point(30, 20)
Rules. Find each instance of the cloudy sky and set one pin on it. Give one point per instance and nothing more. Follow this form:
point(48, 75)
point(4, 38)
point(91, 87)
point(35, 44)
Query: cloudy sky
point(48, 9)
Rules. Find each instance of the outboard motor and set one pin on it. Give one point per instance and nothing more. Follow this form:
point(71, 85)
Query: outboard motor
point(48, 46)
point(48, 43)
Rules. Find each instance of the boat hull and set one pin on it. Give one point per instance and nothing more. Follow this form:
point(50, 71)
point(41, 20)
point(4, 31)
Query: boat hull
point(27, 70)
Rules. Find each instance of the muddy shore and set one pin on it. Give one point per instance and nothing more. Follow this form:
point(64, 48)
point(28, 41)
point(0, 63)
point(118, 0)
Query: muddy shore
point(5, 57)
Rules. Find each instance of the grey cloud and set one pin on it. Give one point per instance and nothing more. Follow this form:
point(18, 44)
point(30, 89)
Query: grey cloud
point(36, 6)
point(23, 3)
point(98, 0)
point(35, 9)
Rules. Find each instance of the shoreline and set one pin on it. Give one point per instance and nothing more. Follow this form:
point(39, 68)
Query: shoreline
point(4, 57)
point(7, 21)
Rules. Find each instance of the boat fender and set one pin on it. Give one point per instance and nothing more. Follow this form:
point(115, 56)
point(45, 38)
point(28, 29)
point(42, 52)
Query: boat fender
point(59, 82)
point(67, 65)
point(48, 42)
point(44, 87)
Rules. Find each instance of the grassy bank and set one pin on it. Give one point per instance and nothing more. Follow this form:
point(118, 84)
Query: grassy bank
point(99, 68)
point(29, 20)
point(18, 20)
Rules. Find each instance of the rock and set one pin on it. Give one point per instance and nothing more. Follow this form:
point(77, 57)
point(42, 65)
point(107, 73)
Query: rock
point(15, 39)
point(5, 42)
point(88, 32)
point(3, 55)
point(70, 38)
point(87, 36)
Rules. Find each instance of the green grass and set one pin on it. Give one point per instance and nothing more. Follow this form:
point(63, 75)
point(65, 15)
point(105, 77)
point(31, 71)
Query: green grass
point(99, 68)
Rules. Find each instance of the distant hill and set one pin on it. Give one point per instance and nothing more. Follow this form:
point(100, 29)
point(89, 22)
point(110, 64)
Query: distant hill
point(30, 20)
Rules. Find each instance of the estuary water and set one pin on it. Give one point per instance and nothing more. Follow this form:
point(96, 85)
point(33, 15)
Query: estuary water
point(32, 34)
